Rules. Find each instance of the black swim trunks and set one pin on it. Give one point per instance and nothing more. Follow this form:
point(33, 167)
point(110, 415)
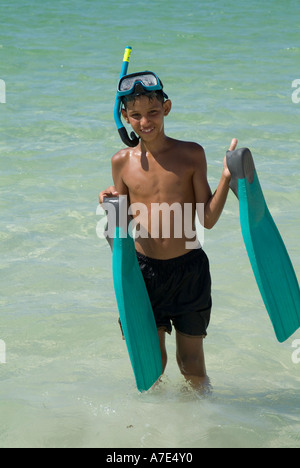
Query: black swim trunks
point(179, 291)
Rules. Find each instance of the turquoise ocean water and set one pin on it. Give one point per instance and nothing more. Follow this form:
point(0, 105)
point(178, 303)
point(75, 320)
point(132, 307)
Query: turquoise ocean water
point(228, 67)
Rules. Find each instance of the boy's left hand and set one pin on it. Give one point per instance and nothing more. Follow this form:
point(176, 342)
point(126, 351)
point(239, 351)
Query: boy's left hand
point(226, 171)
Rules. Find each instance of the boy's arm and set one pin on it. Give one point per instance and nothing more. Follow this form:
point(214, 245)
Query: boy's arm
point(117, 163)
point(213, 204)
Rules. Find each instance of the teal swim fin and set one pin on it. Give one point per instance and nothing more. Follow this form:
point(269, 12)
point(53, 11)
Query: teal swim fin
point(136, 314)
point(270, 261)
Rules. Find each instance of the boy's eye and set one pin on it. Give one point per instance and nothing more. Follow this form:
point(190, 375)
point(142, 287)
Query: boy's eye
point(138, 116)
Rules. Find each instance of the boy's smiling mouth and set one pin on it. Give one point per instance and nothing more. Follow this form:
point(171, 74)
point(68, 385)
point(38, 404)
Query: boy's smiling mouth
point(148, 130)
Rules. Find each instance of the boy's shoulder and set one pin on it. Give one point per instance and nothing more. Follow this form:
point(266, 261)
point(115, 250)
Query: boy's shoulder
point(120, 157)
point(188, 145)
point(189, 150)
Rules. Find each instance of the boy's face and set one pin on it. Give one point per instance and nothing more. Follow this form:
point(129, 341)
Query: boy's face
point(147, 116)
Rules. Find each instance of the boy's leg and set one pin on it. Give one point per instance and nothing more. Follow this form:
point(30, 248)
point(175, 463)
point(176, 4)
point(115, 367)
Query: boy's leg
point(162, 342)
point(190, 359)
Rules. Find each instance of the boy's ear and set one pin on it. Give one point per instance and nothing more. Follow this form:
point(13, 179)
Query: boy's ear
point(125, 116)
point(167, 107)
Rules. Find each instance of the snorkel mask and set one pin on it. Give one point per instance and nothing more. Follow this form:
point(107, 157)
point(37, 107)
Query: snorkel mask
point(136, 83)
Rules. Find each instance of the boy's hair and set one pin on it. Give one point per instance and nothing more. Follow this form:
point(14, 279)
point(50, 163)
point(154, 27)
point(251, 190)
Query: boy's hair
point(159, 95)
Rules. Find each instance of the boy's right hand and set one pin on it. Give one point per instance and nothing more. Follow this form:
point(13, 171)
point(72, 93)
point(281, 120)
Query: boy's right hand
point(109, 192)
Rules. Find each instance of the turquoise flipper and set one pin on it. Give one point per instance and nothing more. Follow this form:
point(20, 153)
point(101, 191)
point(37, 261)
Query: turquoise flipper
point(267, 253)
point(134, 305)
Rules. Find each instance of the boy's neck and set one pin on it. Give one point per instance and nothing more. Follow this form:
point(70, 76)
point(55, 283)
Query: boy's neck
point(155, 147)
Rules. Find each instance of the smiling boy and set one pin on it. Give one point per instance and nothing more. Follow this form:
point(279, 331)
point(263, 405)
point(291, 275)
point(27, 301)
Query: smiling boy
point(164, 170)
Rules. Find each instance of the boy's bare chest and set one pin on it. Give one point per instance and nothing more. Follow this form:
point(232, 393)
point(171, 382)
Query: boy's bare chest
point(150, 178)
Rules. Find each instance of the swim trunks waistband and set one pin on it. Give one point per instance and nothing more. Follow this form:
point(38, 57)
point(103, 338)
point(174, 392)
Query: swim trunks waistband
point(171, 262)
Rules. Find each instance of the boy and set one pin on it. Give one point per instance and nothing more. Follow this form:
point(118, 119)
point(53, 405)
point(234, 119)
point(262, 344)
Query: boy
point(163, 170)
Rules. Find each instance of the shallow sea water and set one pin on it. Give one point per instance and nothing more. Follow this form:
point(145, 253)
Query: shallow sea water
point(228, 67)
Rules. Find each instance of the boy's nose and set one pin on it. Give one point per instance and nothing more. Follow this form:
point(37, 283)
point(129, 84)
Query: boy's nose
point(144, 122)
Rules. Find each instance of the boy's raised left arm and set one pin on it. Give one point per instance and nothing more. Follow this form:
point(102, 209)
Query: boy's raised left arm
point(213, 203)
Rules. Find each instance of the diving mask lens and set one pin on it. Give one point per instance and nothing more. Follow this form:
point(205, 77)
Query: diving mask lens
point(148, 80)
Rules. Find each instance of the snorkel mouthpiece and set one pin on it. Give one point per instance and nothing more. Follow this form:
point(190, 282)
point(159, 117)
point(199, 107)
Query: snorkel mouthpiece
point(133, 140)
